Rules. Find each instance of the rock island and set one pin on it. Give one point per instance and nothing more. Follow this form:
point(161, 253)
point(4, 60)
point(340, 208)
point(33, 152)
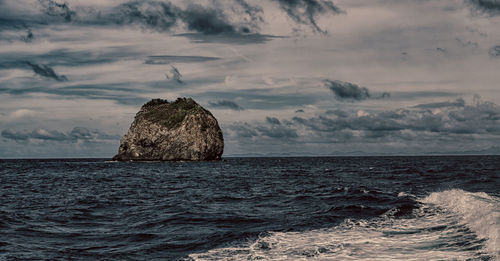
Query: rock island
point(172, 131)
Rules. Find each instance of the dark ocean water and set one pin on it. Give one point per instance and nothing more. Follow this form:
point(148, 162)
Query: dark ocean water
point(326, 208)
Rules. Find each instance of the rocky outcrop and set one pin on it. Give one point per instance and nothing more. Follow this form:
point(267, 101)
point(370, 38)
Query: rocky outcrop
point(171, 131)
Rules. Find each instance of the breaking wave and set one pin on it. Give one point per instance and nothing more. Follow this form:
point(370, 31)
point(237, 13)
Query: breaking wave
point(479, 211)
point(448, 225)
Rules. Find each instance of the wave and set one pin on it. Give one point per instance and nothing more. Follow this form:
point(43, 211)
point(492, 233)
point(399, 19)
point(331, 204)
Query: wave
point(479, 211)
point(448, 225)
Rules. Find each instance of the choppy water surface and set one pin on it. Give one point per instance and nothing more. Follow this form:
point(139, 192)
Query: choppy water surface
point(332, 208)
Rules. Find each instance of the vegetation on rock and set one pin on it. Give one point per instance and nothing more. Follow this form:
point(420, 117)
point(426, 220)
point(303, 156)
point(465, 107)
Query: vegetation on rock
point(170, 114)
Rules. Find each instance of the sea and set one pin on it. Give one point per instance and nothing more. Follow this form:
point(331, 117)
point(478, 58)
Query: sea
point(302, 208)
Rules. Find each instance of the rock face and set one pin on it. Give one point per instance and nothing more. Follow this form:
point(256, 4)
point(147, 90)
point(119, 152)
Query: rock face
point(180, 130)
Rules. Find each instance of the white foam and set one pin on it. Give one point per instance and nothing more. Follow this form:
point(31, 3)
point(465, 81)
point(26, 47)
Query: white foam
point(478, 211)
point(450, 225)
point(402, 194)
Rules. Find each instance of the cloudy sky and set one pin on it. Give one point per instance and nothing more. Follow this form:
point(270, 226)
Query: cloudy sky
point(302, 77)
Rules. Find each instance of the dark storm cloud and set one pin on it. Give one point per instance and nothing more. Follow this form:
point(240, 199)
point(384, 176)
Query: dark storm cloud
point(50, 12)
point(306, 11)
point(237, 22)
point(209, 21)
point(346, 90)
point(24, 33)
point(402, 126)
point(273, 121)
point(159, 16)
point(479, 118)
point(168, 59)
point(238, 25)
point(163, 16)
point(242, 39)
point(225, 104)
point(441, 50)
point(54, 8)
point(154, 15)
point(28, 37)
point(489, 7)
point(385, 95)
point(75, 135)
point(253, 12)
point(46, 71)
point(494, 51)
point(458, 103)
point(241, 19)
point(174, 74)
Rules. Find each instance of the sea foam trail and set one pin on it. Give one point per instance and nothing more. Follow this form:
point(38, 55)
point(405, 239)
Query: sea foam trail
point(478, 211)
point(448, 225)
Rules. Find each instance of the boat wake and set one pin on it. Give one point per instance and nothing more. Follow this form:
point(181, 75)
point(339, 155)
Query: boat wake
point(448, 225)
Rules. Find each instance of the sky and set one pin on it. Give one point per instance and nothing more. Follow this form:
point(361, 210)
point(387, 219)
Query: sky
point(282, 77)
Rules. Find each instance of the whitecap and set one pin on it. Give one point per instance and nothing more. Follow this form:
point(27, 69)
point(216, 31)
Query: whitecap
point(478, 211)
point(448, 225)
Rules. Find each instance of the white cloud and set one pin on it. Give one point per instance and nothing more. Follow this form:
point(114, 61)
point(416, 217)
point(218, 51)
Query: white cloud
point(22, 113)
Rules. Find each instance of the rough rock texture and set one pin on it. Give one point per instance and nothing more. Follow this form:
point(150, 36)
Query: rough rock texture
point(180, 130)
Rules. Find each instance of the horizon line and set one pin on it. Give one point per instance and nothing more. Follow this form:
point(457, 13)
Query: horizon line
point(267, 156)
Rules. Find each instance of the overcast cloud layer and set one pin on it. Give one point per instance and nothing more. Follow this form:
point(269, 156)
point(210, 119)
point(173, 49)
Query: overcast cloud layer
point(283, 77)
